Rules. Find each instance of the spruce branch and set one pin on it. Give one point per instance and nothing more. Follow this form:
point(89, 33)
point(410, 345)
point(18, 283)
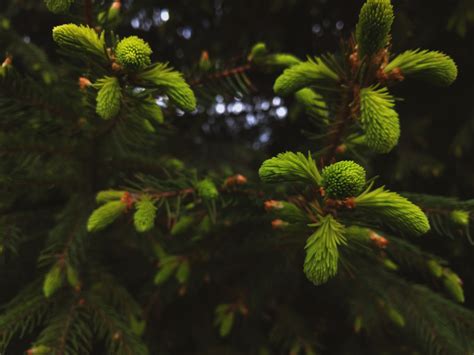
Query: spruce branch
point(306, 74)
point(322, 255)
point(171, 82)
point(290, 167)
point(394, 210)
point(379, 120)
point(434, 67)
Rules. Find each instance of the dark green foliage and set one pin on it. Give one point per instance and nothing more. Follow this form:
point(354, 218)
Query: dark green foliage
point(58, 6)
point(133, 219)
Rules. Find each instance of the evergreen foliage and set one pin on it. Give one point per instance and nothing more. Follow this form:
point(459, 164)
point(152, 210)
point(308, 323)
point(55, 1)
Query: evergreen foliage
point(133, 219)
point(58, 6)
point(289, 167)
point(373, 29)
point(108, 98)
point(434, 67)
point(379, 120)
point(395, 210)
point(172, 83)
point(144, 217)
point(105, 215)
point(322, 255)
point(343, 179)
point(312, 72)
point(133, 53)
point(79, 39)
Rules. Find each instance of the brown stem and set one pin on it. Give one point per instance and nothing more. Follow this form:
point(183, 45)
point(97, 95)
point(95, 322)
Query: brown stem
point(222, 74)
point(342, 121)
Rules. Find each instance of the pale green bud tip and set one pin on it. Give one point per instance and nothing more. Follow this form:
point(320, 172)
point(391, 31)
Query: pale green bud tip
point(105, 215)
point(62, 30)
point(435, 268)
point(39, 350)
point(144, 217)
point(58, 6)
point(460, 217)
point(109, 195)
point(207, 190)
point(396, 317)
point(343, 179)
point(53, 281)
point(373, 29)
point(434, 67)
point(258, 50)
point(133, 53)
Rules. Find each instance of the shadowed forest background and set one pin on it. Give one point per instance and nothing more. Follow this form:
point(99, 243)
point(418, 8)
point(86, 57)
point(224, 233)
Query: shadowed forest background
point(434, 156)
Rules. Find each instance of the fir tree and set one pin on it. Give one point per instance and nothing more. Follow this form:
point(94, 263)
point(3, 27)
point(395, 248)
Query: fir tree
point(116, 242)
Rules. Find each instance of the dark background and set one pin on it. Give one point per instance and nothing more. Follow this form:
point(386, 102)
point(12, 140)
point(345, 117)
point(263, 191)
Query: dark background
point(435, 154)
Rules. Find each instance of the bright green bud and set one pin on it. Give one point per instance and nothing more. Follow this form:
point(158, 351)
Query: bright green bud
point(322, 253)
point(148, 126)
point(40, 350)
point(182, 225)
point(259, 55)
point(72, 277)
point(303, 75)
point(53, 280)
point(144, 217)
point(80, 39)
point(259, 50)
point(109, 195)
point(460, 217)
point(280, 60)
point(133, 53)
point(137, 325)
point(394, 210)
point(172, 83)
point(109, 97)
point(174, 164)
point(207, 190)
point(379, 120)
point(289, 167)
point(435, 268)
point(226, 324)
point(373, 29)
point(182, 273)
point(434, 67)
point(396, 317)
point(358, 324)
point(390, 265)
point(58, 6)
point(453, 285)
point(343, 179)
point(105, 215)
